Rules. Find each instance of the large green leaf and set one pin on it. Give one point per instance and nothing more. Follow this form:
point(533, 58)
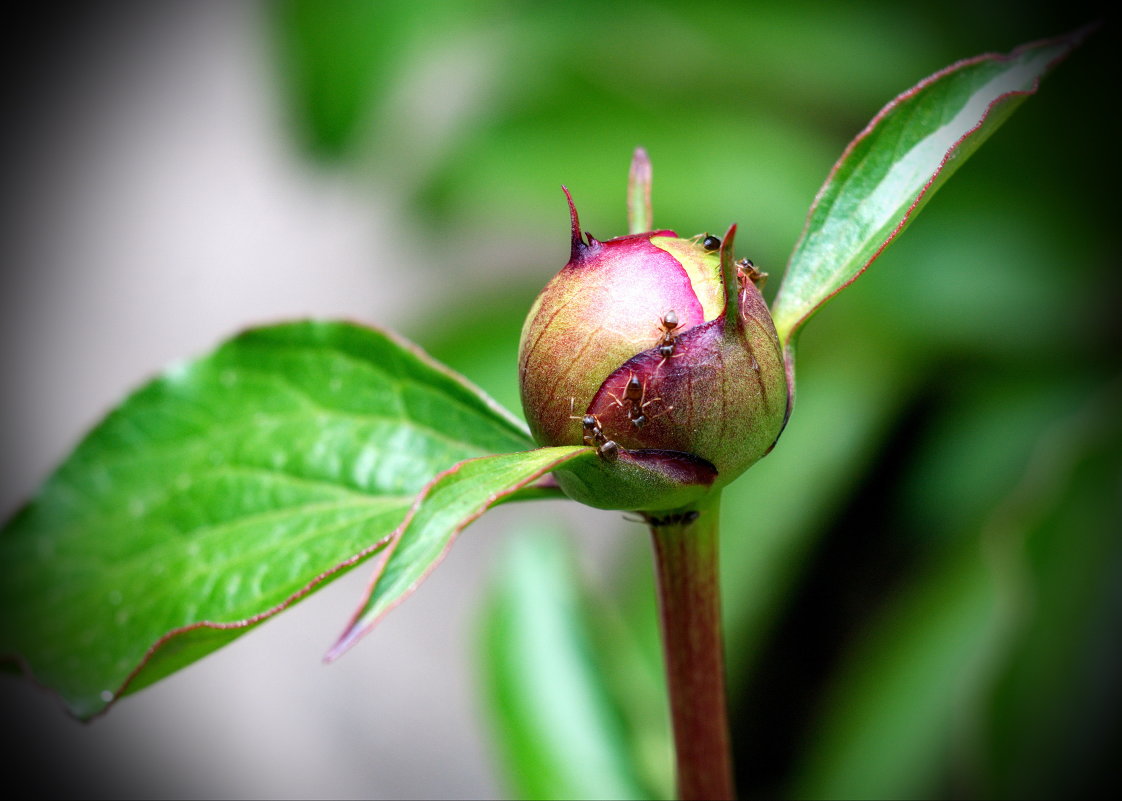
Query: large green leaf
point(453, 500)
point(897, 163)
point(221, 493)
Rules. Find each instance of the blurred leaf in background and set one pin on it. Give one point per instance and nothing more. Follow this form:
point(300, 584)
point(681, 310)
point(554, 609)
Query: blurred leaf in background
point(559, 731)
point(336, 59)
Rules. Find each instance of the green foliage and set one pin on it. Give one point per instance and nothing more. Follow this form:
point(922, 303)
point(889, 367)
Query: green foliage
point(895, 166)
point(221, 493)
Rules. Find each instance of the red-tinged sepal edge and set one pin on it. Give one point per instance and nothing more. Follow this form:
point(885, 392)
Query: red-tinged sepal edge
point(447, 505)
point(867, 200)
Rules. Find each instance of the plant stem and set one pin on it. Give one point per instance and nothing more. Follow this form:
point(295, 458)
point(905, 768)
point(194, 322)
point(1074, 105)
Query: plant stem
point(685, 547)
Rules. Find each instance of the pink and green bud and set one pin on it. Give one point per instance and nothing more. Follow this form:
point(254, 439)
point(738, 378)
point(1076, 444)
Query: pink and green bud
point(660, 353)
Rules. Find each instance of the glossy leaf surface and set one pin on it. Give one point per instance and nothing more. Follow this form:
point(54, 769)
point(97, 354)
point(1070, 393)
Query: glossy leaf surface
point(222, 492)
point(896, 164)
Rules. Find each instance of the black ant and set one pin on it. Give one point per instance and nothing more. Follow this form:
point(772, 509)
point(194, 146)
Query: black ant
point(593, 434)
point(746, 271)
point(669, 336)
point(633, 402)
point(608, 450)
point(711, 243)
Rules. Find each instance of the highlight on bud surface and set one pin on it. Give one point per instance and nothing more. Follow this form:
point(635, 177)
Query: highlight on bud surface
point(660, 352)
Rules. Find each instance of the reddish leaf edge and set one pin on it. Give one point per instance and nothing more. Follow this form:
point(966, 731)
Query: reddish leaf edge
point(1073, 39)
point(355, 630)
point(25, 668)
point(537, 487)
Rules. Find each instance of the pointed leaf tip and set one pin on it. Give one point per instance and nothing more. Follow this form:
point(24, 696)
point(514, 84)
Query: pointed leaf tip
point(895, 165)
point(446, 506)
point(347, 639)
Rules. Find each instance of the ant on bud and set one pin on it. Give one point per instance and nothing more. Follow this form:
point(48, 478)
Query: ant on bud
point(669, 323)
point(634, 404)
point(593, 434)
point(711, 243)
point(746, 271)
point(608, 451)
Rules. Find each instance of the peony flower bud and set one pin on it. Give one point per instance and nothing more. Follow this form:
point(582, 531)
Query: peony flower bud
point(660, 353)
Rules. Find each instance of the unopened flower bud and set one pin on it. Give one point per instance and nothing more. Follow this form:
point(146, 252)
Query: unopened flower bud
point(660, 353)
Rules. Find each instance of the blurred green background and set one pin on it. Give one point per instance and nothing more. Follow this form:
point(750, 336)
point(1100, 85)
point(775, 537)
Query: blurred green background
point(923, 583)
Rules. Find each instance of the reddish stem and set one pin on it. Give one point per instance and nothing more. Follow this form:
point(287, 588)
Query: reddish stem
point(685, 548)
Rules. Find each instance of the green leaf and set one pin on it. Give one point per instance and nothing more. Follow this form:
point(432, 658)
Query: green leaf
point(223, 492)
point(896, 164)
point(451, 501)
point(557, 731)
